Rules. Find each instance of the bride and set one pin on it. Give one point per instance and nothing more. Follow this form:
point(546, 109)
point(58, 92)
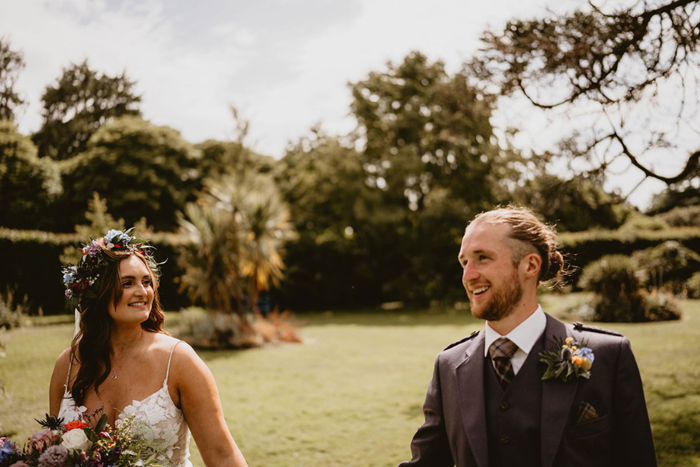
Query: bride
point(121, 362)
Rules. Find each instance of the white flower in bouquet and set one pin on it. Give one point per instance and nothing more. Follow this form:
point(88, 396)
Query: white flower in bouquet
point(76, 439)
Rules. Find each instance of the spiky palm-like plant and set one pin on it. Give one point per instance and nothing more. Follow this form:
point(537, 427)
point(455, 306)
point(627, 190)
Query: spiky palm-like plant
point(211, 261)
point(264, 224)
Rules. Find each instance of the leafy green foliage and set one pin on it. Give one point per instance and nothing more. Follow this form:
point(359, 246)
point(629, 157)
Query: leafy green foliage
point(681, 196)
point(667, 265)
point(13, 313)
point(28, 185)
point(236, 233)
point(693, 286)
point(340, 221)
point(11, 63)
point(573, 205)
point(77, 105)
point(423, 129)
point(141, 169)
point(222, 157)
point(682, 216)
point(619, 280)
point(618, 289)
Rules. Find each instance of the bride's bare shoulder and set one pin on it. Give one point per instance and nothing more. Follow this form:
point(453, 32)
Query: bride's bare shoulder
point(165, 344)
point(63, 360)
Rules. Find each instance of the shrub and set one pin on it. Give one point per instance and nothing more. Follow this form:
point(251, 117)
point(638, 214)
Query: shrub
point(12, 313)
point(620, 297)
point(692, 286)
point(635, 222)
point(682, 216)
point(667, 265)
point(209, 330)
point(661, 307)
point(618, 289)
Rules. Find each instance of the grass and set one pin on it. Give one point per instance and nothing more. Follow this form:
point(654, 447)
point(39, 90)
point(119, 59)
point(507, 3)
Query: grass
point(352, 394)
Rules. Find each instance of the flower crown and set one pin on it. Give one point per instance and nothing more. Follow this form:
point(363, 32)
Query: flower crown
point(84, 279)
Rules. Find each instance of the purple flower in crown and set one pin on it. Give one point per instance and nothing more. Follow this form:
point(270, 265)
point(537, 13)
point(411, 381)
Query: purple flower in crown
point(93, 249)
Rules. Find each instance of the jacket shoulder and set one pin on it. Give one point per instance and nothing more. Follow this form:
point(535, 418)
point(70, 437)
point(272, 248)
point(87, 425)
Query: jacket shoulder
point(465, 339)
point(582, 327)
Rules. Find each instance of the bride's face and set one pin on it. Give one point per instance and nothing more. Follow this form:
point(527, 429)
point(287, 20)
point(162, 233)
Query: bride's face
point(134, 306)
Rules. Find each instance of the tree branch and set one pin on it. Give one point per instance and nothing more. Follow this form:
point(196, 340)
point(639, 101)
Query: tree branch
point(692, 165)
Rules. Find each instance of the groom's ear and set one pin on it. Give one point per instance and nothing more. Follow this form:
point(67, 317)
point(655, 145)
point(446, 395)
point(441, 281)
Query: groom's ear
point(532, 264)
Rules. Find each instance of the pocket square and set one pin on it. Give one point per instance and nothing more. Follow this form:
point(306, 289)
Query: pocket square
point(586, 413)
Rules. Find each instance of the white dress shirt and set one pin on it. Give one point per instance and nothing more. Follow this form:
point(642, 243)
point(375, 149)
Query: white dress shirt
point(524, 336)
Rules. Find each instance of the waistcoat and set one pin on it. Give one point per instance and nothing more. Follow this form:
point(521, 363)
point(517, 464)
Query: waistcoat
point(513, 416)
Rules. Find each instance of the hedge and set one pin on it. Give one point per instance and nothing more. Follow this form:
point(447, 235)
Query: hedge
point(582, 248)
point(31, 266)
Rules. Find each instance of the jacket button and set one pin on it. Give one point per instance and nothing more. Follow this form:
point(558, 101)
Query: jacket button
point(504, 405)
point(505, 439)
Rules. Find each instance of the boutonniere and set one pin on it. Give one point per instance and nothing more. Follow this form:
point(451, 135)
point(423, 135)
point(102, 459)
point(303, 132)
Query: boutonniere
point(569, 359)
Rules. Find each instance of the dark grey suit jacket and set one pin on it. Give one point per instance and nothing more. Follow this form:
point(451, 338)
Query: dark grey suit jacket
point(454, 432)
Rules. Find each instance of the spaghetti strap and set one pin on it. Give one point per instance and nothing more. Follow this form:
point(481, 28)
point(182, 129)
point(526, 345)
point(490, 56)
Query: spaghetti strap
point(70, 365)
point(167, 373)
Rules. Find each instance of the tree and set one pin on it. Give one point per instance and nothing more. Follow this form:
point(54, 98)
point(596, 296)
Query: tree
point(28, 185)
point(573, 205)
point(77, 105)
point(11, 63)
point(143, 170)
point(226, 157)
point(340, 220)
point(425, 128)
point(626, 75)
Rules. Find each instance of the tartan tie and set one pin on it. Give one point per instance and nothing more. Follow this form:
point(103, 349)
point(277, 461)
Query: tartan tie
point(501, 351)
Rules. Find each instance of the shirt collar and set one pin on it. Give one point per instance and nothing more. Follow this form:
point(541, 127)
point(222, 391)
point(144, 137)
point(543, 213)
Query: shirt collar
point(524, 335)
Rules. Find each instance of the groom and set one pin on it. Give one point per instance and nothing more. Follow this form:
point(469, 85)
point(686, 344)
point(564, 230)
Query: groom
point(488, 405)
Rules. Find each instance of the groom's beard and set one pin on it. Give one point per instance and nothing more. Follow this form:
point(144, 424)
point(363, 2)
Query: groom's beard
point(502, 302)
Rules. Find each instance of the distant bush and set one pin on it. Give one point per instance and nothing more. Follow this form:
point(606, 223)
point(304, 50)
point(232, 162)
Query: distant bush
point(618, 289)
point(661, 307)
point(582, 248)
point(692, 286)
point(210, 330)
point(682, 216)
point(666, 266)
point(620, 296)
point(13, 314)
point(636, 221)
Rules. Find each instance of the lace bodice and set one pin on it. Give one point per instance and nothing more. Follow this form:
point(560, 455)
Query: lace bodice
point(163, 423)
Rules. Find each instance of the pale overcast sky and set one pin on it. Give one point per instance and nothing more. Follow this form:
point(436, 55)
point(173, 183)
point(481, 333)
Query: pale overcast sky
point(284, 63)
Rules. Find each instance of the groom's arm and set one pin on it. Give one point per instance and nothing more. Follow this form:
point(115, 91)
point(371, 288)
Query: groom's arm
point(633, 443)
point(430, 447)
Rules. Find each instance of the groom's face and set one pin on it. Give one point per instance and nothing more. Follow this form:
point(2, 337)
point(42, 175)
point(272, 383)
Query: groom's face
point(490, 276)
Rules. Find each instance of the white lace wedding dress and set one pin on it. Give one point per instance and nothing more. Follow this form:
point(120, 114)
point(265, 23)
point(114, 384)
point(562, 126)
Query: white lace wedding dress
point(164, 423)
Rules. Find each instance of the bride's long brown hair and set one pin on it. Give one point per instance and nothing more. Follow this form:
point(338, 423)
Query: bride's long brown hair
point(91, 345)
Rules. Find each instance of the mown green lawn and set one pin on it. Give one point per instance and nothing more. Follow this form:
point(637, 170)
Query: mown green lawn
point(352, 394)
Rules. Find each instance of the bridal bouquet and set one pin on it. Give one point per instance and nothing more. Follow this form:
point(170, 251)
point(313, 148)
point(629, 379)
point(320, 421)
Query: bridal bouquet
point(77, 444)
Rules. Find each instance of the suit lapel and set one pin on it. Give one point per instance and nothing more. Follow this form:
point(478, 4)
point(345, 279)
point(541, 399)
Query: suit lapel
point(557, 398)
point(470, 381)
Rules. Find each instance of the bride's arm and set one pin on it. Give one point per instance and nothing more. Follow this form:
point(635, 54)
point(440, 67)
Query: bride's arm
point(200, 402)
point(58, 379)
